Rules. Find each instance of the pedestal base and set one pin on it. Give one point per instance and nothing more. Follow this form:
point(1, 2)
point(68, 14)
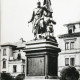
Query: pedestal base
point(42, 59)
point(41, 77)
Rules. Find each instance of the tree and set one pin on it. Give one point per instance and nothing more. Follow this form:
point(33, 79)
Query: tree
point(6, 76)
point(20, 77)
point(69, 73)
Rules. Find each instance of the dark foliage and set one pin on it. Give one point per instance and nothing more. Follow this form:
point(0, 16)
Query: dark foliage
point(69, 73)
point(6, 76)
point(20, 77)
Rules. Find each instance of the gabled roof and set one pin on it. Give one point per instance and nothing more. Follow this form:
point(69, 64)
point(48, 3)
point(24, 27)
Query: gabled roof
point(70, 35)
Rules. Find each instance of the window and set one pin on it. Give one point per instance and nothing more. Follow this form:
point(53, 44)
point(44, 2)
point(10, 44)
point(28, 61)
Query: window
point(23, 68)
point(4, 64)
point(70, 31)
point(66, 61)
point(19, 57)
point(72, 45)
point(72, 61)
point(14, 68)
point(66, 45)
point(73, 27)
point(4, 52)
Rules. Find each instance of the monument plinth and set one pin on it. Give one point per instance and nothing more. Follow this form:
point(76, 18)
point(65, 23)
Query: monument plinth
point(42, 52)
point(42, 58)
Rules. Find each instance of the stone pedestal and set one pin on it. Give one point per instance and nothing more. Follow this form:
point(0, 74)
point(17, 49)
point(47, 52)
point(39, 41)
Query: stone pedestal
point(42, 58)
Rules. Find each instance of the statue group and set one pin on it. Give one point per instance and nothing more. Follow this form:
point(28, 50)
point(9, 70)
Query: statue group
point(42, 20)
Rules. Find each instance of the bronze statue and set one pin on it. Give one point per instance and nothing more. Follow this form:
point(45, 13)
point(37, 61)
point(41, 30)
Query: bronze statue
point(42, 19)
point(37, 18)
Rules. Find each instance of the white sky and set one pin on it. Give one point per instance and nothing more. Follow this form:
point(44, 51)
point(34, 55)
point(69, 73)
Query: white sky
point(16, 13)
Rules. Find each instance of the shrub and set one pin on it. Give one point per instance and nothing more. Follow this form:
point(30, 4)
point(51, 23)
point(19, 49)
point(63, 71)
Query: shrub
point(20, 77)
point(6, 76)
point(69, 73)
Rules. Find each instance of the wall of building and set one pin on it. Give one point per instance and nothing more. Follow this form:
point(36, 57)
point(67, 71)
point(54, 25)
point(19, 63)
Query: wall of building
point(0, 59)
point(71, 53)
point(61, 44)
point(63, 40)
point(16, 52)
point(11, 57)
point(77, 28)
point(77, 43)
point(19, 68)
point(6, 57)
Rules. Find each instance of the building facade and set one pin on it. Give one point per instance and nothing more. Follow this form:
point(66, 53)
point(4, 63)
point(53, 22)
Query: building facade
point(13, 58)
point(70, 47)
point(0, 61)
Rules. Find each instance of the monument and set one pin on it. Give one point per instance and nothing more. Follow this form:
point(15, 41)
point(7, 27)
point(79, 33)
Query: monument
point(42, 51)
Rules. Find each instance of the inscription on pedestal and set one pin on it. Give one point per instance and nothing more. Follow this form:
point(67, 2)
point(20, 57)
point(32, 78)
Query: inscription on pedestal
point(35, 66)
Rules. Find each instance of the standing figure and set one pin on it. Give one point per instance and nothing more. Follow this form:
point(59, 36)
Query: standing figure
point(37, 18)
point(48, 21)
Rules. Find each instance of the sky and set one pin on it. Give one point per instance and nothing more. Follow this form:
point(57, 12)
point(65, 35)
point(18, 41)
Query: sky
point(0, 21)
point(15, 15)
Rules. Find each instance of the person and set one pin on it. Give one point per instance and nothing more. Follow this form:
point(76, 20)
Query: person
point(48, 23)
point(37, 18)
point(69, 73)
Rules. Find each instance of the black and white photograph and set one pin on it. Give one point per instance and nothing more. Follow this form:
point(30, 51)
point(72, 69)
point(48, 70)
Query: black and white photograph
point(39, 39)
